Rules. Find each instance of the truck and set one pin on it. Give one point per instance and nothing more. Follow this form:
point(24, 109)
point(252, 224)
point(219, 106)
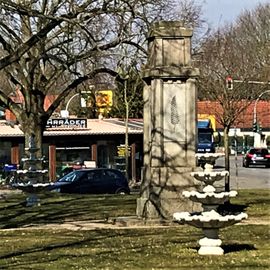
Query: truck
point(208, 137)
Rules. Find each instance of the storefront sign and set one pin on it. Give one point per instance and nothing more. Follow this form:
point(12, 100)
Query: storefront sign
point(121, 151)
point(66, 123)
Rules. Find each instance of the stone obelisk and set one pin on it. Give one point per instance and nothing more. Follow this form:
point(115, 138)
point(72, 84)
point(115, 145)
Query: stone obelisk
point(169, 122)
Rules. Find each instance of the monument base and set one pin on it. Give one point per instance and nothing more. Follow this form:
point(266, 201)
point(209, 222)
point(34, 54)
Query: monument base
point(163, 195)
point(164, 207)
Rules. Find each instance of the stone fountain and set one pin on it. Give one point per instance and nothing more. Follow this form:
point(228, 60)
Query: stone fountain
point(209, 220)
point(30, 179)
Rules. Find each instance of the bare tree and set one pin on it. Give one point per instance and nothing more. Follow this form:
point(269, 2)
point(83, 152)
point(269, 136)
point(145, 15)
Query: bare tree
point(240, 51)
point(191, 14)
point(46, 45)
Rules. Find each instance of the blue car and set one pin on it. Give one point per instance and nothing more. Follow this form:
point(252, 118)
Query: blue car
point(92, 181)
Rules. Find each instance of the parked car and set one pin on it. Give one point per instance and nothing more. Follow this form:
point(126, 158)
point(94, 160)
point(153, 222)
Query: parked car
point(92, 181)
point(8, 173)
point(257, 156)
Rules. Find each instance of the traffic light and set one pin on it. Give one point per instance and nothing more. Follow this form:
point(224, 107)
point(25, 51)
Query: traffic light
point(229, 83)
point(255, 127)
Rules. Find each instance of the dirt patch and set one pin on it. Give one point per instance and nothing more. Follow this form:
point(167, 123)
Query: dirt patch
point(94, 225)
point(82, 226)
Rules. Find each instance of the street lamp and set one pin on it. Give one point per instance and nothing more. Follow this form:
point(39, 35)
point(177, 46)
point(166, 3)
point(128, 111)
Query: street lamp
point(65, 113)
point(70, 100)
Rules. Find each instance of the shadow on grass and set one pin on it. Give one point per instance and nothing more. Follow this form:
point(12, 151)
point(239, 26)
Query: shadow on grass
point(98, 240)
point(17, 215)
point(233, 248)
point(56, 208)
point(237, 247)
point(229, 208)
point(41, 249)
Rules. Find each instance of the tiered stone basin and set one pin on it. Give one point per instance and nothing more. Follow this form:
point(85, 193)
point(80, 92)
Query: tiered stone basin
point(31, 174)
point(32, 188)
point(208, 159)
point(29, 179)
point(209, 198)
point(209, 177)
point(30, 185)
point(210, 221)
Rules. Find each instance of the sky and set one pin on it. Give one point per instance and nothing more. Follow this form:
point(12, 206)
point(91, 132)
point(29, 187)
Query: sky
point(219, 12)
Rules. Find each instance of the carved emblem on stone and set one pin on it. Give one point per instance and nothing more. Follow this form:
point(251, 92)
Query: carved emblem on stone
point(175, 118)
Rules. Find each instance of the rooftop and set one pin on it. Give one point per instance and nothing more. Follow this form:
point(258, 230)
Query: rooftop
point(94, 127)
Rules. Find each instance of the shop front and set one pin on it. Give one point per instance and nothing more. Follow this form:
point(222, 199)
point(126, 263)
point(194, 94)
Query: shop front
point(66, 147)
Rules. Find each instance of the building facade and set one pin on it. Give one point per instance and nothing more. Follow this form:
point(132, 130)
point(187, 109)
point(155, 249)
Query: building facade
point(97, 141)
point(78, 142)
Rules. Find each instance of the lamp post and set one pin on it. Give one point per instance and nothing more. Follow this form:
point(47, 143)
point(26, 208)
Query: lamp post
point(65, 113)
point(257, 137)
point(70, 100)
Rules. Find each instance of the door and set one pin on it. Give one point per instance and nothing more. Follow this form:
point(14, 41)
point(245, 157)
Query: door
point(93, 182)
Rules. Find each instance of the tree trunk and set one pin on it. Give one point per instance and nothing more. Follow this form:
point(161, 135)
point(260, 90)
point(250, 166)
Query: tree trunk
point(32, 128)
point(227, 157)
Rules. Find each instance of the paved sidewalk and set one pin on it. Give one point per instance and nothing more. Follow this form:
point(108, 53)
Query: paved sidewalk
point(5, 191)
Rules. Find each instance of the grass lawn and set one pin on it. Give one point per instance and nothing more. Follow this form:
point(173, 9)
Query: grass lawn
point(169, 247)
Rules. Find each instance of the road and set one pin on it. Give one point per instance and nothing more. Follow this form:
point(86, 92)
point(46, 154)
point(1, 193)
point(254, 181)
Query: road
point(245, 178)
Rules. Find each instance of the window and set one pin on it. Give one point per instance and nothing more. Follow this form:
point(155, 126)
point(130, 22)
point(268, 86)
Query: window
point(94, 175)
point(70, 177)
point(91, 175)
point(264, 152)
point(112, 174)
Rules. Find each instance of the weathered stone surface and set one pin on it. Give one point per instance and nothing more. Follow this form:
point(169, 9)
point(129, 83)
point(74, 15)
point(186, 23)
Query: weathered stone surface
point(169, 122)
point(169, 45)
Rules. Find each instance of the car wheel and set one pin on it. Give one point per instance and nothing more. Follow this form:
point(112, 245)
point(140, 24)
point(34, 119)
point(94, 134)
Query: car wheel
point(58, 190)
point(121, 191)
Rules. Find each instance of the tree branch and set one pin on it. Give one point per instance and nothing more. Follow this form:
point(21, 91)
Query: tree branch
point(78, 82)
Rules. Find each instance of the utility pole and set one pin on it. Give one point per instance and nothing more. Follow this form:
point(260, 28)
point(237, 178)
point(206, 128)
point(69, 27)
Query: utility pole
point(229, 84)
point(256, 127)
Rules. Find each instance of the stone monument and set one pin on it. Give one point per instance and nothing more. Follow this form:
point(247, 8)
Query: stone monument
point(169, 122)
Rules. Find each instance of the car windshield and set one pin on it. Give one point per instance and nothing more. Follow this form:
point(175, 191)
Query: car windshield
point(205, 137)
point(70, 177)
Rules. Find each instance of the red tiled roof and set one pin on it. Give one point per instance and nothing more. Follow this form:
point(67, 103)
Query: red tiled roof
point(117, 126)
point(245, 119)
point(7, 130)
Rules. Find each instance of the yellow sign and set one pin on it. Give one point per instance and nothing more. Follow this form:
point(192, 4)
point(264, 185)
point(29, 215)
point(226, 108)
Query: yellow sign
point(104, 98)
point(121, 151)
